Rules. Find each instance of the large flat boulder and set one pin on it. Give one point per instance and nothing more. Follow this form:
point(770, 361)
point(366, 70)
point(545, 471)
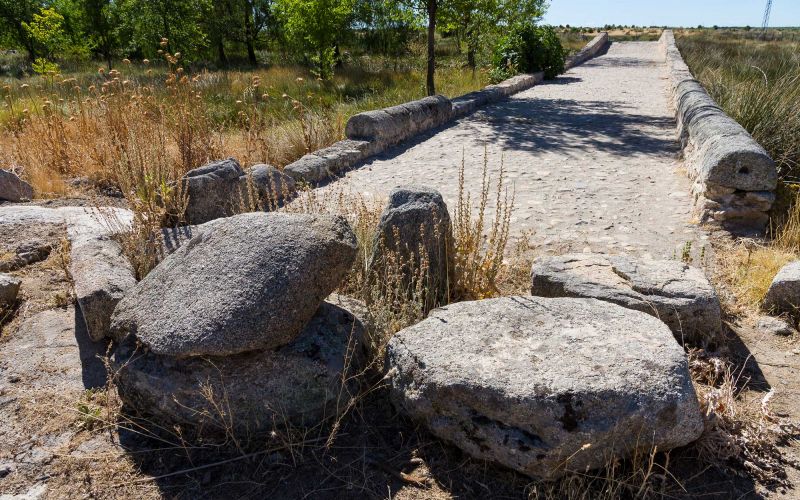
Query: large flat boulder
point(783, 294)
point(253, 392)
point(12, 188)
point(246, 282)
point(678, 294)
point(545, 385)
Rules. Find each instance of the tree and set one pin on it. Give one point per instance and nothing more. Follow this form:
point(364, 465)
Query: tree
point(13, 13)
point(430, 84)
point(388, 25)
point(145, 22)
point(47, 30)
point(99, 21)
point(315, 28)
point(472, 20)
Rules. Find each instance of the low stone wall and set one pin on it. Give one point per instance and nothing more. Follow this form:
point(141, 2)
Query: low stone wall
point(468, 103)
point(734, 177)
point(598, 45)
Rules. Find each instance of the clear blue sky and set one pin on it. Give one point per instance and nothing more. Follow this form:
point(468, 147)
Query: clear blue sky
point(671, 12)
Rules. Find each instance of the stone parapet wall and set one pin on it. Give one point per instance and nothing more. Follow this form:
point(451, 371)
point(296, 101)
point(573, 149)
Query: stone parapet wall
point(596, 46)
point(734, 177)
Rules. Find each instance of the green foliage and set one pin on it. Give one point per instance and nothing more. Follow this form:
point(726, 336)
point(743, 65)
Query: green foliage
point(315, 27)
point(388, 26)
point(146, 22)
point(47, 29)
point(528, 48)
point(44, 67)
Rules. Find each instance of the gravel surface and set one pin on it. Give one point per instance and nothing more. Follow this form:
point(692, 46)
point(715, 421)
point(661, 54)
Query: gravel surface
point(592, 157)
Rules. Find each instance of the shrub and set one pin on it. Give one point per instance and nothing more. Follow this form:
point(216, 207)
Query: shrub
point(528, 48)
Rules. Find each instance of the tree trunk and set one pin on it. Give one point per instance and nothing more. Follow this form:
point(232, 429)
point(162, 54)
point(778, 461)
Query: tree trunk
point(431, 85)
point(248, 33)
point(223, 58)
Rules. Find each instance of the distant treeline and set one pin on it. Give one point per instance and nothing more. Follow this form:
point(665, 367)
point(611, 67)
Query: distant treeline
point(225, 32)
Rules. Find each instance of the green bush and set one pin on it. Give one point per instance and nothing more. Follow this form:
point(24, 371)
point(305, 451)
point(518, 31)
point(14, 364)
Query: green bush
point(528, 48)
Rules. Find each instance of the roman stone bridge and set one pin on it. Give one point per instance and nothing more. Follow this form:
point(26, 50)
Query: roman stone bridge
point(592, 157)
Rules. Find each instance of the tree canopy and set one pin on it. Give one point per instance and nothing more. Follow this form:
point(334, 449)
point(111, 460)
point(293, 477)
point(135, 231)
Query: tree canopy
point(313, 32)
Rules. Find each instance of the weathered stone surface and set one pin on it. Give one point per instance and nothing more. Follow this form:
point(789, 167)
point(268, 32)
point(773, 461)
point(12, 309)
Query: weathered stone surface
point(529, 381)
point(101, 273)
point(247, 282)
point(12, 188)
point(299, 383)
point(414, 223)
point(24, 254)
point(214, 191)
point(393, 125)
point(784, 292)
point(271, 186)
point(326, 163)
point(467, 103)
point(678, 294)
point(32, 214)
point(774, 326)
point(9, 288)
point(52, 349)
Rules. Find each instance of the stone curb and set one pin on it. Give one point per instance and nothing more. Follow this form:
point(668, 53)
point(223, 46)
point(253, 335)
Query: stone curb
point(598, 44)
point(734, 177)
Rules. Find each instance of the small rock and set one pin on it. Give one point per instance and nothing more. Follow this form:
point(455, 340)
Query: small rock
point(678, 294)
point(214, 191)
point(9, 288)
point(783, 294)
point(14, 189)
point(774, 326)
point(545, 385)
point(415, 222)
point(272, 186)
point(24, 254)
point(6, 469)
point(299, 383)
point(246, 282)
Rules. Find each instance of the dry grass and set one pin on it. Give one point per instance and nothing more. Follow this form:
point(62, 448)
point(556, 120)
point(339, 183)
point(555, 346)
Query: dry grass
point(748, 270)
point(740, 431)
point(159, 121)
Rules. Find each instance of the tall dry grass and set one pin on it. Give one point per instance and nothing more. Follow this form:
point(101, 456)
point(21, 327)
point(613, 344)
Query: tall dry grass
point(99, 125)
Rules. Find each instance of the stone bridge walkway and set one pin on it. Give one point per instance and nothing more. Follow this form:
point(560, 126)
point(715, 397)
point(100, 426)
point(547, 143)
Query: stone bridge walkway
point(592, 157)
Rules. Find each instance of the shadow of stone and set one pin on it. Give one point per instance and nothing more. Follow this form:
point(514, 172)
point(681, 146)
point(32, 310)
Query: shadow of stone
point(93, 370)
point(749, 373)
